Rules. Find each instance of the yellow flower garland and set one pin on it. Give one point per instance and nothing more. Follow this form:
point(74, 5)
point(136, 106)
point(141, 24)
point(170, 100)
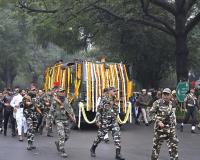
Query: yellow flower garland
point(82, 110)
point(127, 116)
point(68, 80)
point(118, 87)
point(78, 80)
point(97, 78)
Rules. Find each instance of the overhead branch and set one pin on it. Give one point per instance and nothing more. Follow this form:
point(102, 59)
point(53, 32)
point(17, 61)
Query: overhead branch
point(82, 10)
point(135, 21)
point(189, 4)
point(145, 5)
point(155, 18)
point(45, 4)
point(109, 12)
point(151, 24)
point(165, 4)
point(192, 23)
point(30, 10)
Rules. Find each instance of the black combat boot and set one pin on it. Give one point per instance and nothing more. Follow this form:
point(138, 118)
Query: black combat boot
point(92, 151)
point(63, 153)
point(57, 146)
point(49, 134)
point(41, 130)
point(29, 146)
point(32, 146)
point(106, 140)
point(118, 155)
point(5, 133)
point(181, 128)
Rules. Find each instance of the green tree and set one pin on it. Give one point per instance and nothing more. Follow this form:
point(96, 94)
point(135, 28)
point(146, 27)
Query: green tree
point(176, 18)
point(11, 45)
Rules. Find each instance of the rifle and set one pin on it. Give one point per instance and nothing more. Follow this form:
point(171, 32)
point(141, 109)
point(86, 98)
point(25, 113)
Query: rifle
point(68, 113)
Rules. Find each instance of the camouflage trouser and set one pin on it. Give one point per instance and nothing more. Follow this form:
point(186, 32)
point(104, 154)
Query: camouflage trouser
point(172, 143)
point(31, 124)
point(103, 130)
point(47, 119)
point(63, 130)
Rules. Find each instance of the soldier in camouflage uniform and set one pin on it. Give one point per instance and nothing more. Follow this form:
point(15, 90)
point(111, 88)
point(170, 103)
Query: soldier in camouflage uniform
point(31, 118)
point(63, 113)
point(164, 128)
point(39, 103)
point(47, 119)
point(106, 119)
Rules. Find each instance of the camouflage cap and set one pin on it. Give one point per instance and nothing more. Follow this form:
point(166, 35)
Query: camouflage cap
point(167, 90)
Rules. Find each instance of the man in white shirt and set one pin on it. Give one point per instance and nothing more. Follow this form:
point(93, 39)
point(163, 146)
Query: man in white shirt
point(18, 113)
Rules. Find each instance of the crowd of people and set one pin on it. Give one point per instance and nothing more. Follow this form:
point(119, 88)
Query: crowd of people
point(30, 111)
point(142, 103)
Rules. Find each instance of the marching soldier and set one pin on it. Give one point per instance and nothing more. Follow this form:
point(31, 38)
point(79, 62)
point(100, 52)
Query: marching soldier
point(164, 128)
point(106, 119)
point(30, 111)
point(47, 119)
point(63, 113)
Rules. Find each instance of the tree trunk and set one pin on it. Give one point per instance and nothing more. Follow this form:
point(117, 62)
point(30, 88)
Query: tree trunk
point(9, 74)
point(181, 51)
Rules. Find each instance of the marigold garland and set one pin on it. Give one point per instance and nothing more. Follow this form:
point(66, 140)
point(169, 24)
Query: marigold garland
point(92, 87)
point(124, 89)
point(118, 87)
point(96, 86)
point(97, 78)
point(127, 116)
point(82, 110)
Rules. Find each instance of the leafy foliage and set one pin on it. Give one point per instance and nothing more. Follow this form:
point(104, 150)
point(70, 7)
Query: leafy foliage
point(12, 44)
point(121, 29)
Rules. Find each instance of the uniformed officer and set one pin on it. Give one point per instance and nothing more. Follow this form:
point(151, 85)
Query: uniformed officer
point(30, 111)
point(63, 113)
point(106, 119)
point(46, 101)
point(164, 128)
point(144, 101)
point(190, 107)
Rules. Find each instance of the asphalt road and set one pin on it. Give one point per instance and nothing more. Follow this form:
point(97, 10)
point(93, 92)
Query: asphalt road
point(136, 145)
